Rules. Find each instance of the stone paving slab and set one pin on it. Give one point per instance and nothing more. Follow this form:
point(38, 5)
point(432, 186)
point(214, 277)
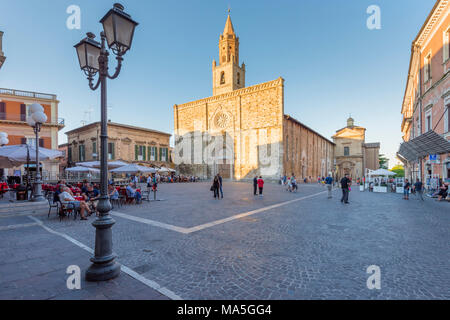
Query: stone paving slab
point(33, 265)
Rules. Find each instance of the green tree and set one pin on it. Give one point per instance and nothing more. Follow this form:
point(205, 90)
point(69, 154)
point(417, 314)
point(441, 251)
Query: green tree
point(383, 161)
point(399, 170)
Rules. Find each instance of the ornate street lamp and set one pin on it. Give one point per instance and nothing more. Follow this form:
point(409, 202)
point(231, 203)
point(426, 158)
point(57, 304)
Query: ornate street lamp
point(36, 120)
point(118, 31)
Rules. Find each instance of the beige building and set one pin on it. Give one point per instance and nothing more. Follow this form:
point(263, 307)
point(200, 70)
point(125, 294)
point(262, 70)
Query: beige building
point(126, 143)
point(353, 154)
point(242, 131)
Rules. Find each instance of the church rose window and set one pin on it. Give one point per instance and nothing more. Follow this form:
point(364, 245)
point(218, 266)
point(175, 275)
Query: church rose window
point(221, 120)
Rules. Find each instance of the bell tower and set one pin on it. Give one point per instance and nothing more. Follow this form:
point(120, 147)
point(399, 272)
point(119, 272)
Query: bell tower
point(228, 75)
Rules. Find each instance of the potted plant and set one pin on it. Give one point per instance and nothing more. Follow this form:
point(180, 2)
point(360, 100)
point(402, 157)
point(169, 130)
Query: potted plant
point(361, 186)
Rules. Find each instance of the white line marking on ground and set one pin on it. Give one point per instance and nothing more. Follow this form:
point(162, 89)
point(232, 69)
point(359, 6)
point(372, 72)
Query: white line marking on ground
point(210, 224)
point(124, 268)
point(246, 214)
point(18, 226)
point(150, 222)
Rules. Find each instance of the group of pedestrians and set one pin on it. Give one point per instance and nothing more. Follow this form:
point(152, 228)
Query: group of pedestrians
point(417, 189)
point(258, 183)
point(217, 187)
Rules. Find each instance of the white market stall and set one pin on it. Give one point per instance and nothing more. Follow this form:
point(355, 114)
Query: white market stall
point(380, 179)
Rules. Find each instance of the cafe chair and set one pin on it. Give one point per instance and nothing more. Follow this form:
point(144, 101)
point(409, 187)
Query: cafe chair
point(52, 203)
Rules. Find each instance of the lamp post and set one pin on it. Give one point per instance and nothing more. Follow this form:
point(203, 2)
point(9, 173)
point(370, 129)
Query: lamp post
point(36, 120)
point(118, 31)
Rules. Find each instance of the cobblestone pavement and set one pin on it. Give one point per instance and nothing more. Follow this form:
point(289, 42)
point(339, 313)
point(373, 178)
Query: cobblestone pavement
point(288, 245)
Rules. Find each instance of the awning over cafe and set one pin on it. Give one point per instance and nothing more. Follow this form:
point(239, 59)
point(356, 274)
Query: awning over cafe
point(424, 145)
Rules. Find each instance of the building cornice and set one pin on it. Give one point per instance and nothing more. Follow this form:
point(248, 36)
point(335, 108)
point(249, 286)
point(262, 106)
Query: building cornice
point(113, 124)
point(433, 18)
point(240, 92)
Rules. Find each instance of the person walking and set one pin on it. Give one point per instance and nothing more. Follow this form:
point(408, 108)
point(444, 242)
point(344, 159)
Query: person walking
point(215, 187)
point(345, 185)
point(260, 186)
point(255, 185)
point(329, 184)
point(406, 189)
point(418, 188)
point(220, 184)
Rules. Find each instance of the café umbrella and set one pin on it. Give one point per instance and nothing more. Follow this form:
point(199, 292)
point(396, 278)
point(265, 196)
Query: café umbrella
point(96, 164)
point(82, 169)
point(20, 154)
point(133, 168)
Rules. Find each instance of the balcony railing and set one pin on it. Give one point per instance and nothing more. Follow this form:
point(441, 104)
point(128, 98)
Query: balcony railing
point(23, 118)
point(28, 94)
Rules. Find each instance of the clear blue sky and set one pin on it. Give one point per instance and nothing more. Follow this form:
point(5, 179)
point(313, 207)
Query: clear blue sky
point(333, 65)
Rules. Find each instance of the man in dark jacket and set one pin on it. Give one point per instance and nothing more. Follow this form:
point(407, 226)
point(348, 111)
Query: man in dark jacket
point(345, 184)
point(255, 185)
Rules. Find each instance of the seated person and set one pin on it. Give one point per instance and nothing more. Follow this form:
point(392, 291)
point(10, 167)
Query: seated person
point(443, 192)
point(92, 195)
point(112, 192)
point(132, 193)
point(293, 183)
point(58, 191)
point(66, 198)
point(84, 186)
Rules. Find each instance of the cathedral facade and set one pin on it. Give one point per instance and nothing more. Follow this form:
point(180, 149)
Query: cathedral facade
point(241, 132)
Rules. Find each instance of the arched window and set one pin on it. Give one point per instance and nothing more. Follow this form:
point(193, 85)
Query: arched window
point(222, 77)
point(238, 78)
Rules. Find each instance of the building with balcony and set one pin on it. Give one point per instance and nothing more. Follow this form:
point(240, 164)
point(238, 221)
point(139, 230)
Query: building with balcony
point(14, 112)
point(127, 143)
point(426, 102)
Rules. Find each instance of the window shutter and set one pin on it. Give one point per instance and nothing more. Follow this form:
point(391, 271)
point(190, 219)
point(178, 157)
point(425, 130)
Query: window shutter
point(144, 154)
point(167, 154)
point(41, 143)
point(2, 111)
point(156, 153)
point(160, 151)
point(23, 141)
point(23, 112)
point(136, 152)
point(148, 153)
point(113, 151)
point(445, 42)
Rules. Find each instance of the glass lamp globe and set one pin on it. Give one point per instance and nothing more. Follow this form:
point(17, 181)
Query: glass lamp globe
point(36, 107)
point(31, 122)
point(39, 117)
